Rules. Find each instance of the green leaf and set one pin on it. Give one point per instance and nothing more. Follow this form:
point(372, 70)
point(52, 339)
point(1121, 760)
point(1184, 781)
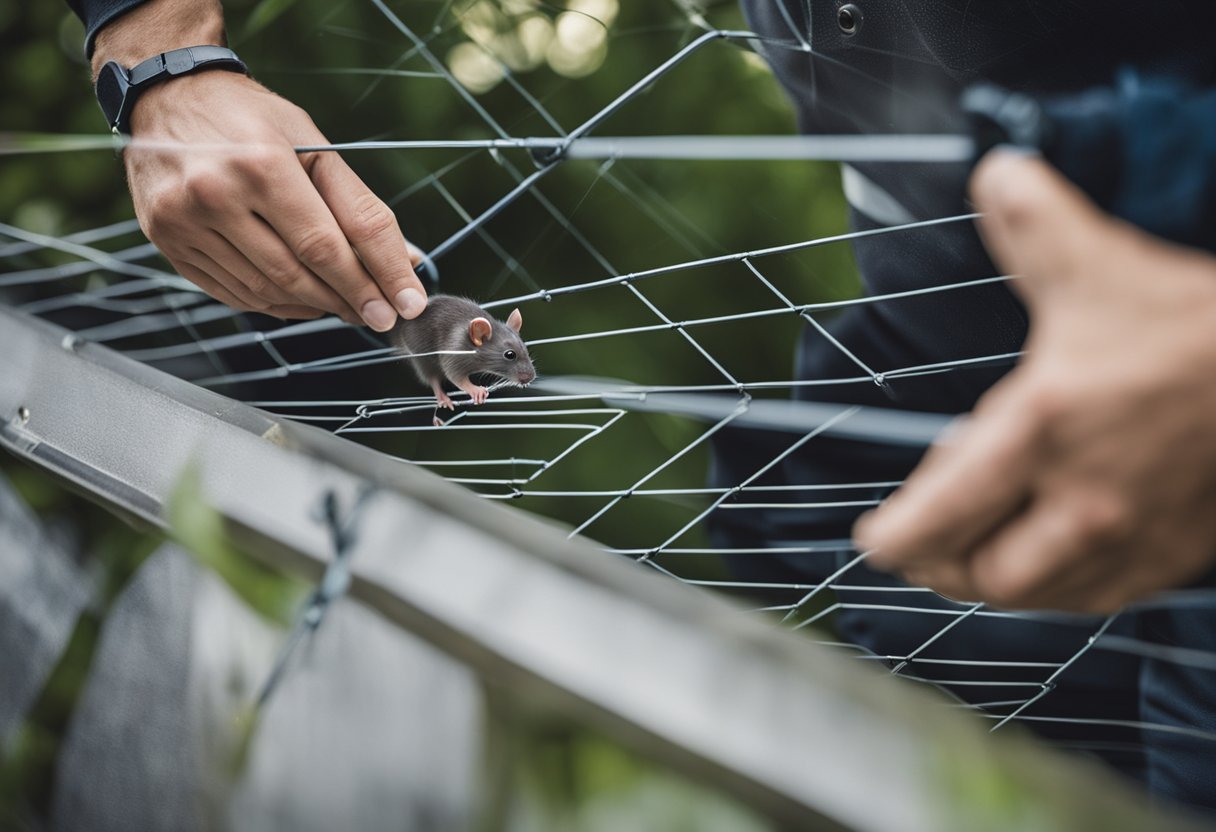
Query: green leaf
point(263, 15)
point(200, 529)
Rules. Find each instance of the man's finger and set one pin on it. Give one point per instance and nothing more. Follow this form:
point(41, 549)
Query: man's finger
point(200, 269)
point(293, 313)
point(949, 578)
point(960, 492)
point(1079, 588)
point(272, 261)
point(1035, 223)
point(277, 308)
point(283, 280)
point(1040, 560)
point(372, 229)
point(299, 216)
point(210, 285)
point(265, 291)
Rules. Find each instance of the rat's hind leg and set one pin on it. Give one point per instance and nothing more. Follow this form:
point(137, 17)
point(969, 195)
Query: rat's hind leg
point(476, 393)
point(441, 398)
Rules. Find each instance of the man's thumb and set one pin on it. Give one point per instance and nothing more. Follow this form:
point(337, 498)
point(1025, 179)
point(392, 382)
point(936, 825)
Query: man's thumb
point(1036, 224)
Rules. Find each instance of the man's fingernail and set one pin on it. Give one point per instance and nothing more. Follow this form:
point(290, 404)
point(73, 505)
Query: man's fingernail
point(410, 303)
point(379, 315)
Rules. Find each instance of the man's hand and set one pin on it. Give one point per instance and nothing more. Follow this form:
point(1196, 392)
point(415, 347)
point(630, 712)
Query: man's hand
point(1087, 478)
point(219, 189)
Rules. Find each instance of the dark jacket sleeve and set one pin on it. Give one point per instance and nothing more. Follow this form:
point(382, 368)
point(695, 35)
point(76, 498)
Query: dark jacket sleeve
point(97, 13)
point(1146, 151)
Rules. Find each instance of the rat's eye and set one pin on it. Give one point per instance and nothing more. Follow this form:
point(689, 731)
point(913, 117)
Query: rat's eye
point(509, 355)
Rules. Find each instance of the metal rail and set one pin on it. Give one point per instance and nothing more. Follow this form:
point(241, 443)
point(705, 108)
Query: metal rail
point(802, 734)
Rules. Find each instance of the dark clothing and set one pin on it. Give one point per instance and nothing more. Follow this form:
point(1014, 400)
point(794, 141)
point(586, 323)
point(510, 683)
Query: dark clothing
point(1145, 150)
point(902, 71)
point(97, 13)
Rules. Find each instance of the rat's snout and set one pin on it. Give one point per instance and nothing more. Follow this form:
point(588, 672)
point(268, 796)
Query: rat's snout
point(526, 376)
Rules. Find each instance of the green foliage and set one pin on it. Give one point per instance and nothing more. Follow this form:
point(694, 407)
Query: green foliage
point(262, 15)
point(982, 790)
point(115, 551)
point(554, 776)
point(200, 529)
point(986, 795)
point(28, 765)
point(41, 44)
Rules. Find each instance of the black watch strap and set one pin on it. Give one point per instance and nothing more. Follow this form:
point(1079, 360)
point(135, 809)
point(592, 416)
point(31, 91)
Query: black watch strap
point(119, 88)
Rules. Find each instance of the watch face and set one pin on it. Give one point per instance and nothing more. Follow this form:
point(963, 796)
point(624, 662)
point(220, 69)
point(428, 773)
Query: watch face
point(111, 89)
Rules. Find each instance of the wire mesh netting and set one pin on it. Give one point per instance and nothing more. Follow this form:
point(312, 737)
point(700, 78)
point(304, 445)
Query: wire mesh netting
point(696, 286)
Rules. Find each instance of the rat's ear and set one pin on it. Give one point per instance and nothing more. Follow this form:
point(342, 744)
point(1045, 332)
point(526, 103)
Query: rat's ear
point(515, 320)
point(479, 331)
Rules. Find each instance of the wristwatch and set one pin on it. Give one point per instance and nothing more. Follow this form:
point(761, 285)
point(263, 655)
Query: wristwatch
point(118, 88)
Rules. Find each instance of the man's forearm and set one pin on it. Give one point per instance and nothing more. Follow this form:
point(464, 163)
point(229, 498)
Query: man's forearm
point(219, 187)
point(158, 26)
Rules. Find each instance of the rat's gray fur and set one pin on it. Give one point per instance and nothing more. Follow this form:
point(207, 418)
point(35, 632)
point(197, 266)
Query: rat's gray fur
point(444, 327)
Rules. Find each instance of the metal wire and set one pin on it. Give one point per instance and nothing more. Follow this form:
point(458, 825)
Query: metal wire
point(202, 340)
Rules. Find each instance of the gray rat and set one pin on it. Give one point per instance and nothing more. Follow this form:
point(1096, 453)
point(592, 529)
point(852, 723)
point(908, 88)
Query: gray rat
point(458, 325)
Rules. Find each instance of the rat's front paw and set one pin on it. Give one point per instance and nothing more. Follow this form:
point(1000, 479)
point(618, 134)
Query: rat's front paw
point(444, 400)
point(479, 395)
